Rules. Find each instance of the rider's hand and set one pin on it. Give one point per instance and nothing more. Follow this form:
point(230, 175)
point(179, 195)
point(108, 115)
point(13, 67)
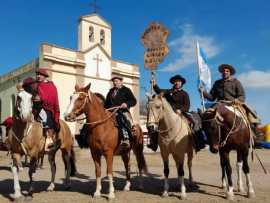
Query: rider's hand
point(124, 106)
point(153, 82)
point(201, 89)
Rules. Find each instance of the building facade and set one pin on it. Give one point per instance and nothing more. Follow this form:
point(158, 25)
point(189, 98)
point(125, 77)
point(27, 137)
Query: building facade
point(91, 63)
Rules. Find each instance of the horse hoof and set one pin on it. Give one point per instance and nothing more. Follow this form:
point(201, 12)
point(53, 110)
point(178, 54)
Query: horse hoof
point(230, 197)
point(251, 195)
point(97, 194)
point(17, 196)
point(165, 194)
point(183, 196)
point(51, 187)
point(111, 196)
point(127, 187)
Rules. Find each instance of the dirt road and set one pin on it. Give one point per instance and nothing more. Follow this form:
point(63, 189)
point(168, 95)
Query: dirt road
point(206, 174)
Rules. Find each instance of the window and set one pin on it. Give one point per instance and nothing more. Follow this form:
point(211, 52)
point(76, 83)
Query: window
point(91, 34)
point(102, 37)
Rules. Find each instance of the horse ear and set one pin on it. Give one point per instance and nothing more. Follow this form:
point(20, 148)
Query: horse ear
point(88, 86)
point(77, 87)
point(19, 87)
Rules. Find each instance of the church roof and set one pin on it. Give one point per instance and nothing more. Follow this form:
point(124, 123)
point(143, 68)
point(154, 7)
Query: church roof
point(88, 17)
point(101, 48)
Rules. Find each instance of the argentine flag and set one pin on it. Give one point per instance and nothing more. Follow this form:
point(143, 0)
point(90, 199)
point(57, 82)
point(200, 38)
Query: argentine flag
point(204, 70)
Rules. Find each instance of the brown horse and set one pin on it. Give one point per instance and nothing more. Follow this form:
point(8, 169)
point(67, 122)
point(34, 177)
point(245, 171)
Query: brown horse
point(103, 136)
point(228, 129)
point(26, 138)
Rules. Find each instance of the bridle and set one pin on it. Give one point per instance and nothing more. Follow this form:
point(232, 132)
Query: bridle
point(78, 111)
point(219, 121)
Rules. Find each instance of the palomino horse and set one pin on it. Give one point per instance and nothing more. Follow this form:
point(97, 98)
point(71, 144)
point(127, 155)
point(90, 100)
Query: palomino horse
point(103, 137)
point(174, 137)
point(228, 129)
point(26, 138)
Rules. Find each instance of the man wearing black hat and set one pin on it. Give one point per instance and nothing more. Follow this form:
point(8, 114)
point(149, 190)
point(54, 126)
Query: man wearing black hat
point(122, 97)
point(229, 88)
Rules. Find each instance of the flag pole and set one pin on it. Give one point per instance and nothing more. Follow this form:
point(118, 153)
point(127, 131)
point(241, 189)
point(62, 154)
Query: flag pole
point(199, 73)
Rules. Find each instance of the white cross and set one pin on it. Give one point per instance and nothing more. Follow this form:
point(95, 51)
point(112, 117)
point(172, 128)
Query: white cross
point(98, 60)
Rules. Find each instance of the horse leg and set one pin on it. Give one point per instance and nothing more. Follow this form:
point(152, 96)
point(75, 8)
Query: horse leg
point(66, 160)
point(126, 160)
point(189, 162)
point(181, 175)
point(250, 193)
point(51, 158)
point(109, 160)
point(166, 172)
point(97, 163)
point(239, 165)
point(223, 176)
point(228, 169)
point(15, 172)
point(32, 170)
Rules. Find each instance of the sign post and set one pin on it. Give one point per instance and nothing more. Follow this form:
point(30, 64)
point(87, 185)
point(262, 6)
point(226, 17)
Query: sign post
point(154, 40)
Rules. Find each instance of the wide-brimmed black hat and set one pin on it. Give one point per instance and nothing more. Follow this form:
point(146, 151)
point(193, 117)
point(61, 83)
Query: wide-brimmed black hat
point(228, 66)
point(177, 77)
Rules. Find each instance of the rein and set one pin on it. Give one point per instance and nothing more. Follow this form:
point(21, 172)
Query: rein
point(220, 123)
point(87, 95)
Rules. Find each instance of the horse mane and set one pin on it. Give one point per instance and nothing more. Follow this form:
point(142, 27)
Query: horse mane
point(100, 97)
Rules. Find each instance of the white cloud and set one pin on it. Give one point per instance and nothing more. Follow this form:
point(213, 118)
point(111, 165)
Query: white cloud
point(184, 46)
point(255, 79)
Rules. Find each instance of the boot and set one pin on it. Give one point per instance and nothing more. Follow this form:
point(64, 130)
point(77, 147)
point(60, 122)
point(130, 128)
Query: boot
point(153, 138)
point(199, 141)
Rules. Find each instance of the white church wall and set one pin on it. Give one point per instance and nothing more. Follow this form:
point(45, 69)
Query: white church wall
point(104, 66)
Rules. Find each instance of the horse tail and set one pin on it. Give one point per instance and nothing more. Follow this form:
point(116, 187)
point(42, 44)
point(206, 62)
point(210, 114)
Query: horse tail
point(72, 163)
point(138, 149)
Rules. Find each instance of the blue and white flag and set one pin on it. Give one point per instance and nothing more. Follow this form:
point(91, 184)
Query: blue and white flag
point(204, 70)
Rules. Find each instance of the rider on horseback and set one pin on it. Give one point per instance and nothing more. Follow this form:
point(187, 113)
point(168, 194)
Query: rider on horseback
point(230, 89)
point(122, 97)
point(45, 104)
point(179, 100)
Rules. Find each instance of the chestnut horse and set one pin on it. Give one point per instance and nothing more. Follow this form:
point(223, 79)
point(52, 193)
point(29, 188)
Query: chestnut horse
point(174, 137)
point(26, 138)
point(103, 136)
point(227, 128)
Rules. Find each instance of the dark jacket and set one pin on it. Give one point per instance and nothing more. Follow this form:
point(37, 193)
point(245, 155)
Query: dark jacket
point(178, 99)
point(123, 95)
point(226, 90)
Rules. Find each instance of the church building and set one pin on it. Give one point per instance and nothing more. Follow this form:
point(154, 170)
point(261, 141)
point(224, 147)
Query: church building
point(92, 62)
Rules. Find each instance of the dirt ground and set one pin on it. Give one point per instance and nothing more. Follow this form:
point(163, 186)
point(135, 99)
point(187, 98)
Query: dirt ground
point(206, 174)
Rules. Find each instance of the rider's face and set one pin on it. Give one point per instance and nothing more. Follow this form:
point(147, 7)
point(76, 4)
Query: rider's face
point(117, 83)
point(40, 78)
point(177, 84)
point(226, 73)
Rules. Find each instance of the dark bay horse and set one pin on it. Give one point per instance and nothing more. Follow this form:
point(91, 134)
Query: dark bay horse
point(26, 138)
point(103, 136)
point(228, 129)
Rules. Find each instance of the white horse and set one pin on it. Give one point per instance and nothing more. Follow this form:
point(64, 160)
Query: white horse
point(174, 138)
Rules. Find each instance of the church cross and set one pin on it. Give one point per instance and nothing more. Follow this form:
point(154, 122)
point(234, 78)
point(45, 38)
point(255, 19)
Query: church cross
point(98, 60)
point(94, 6)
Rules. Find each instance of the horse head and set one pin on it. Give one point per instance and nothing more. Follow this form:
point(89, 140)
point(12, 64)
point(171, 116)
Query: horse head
point(154, 112)
point(23, 106)
point(211, 124)
point(78, 101)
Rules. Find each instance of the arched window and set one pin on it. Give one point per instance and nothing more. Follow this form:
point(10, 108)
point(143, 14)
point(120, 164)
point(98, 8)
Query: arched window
point(91, 34)
point(102, 37)
point(12, 104)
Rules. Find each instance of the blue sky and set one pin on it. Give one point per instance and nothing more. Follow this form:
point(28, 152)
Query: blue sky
point(230, 31)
